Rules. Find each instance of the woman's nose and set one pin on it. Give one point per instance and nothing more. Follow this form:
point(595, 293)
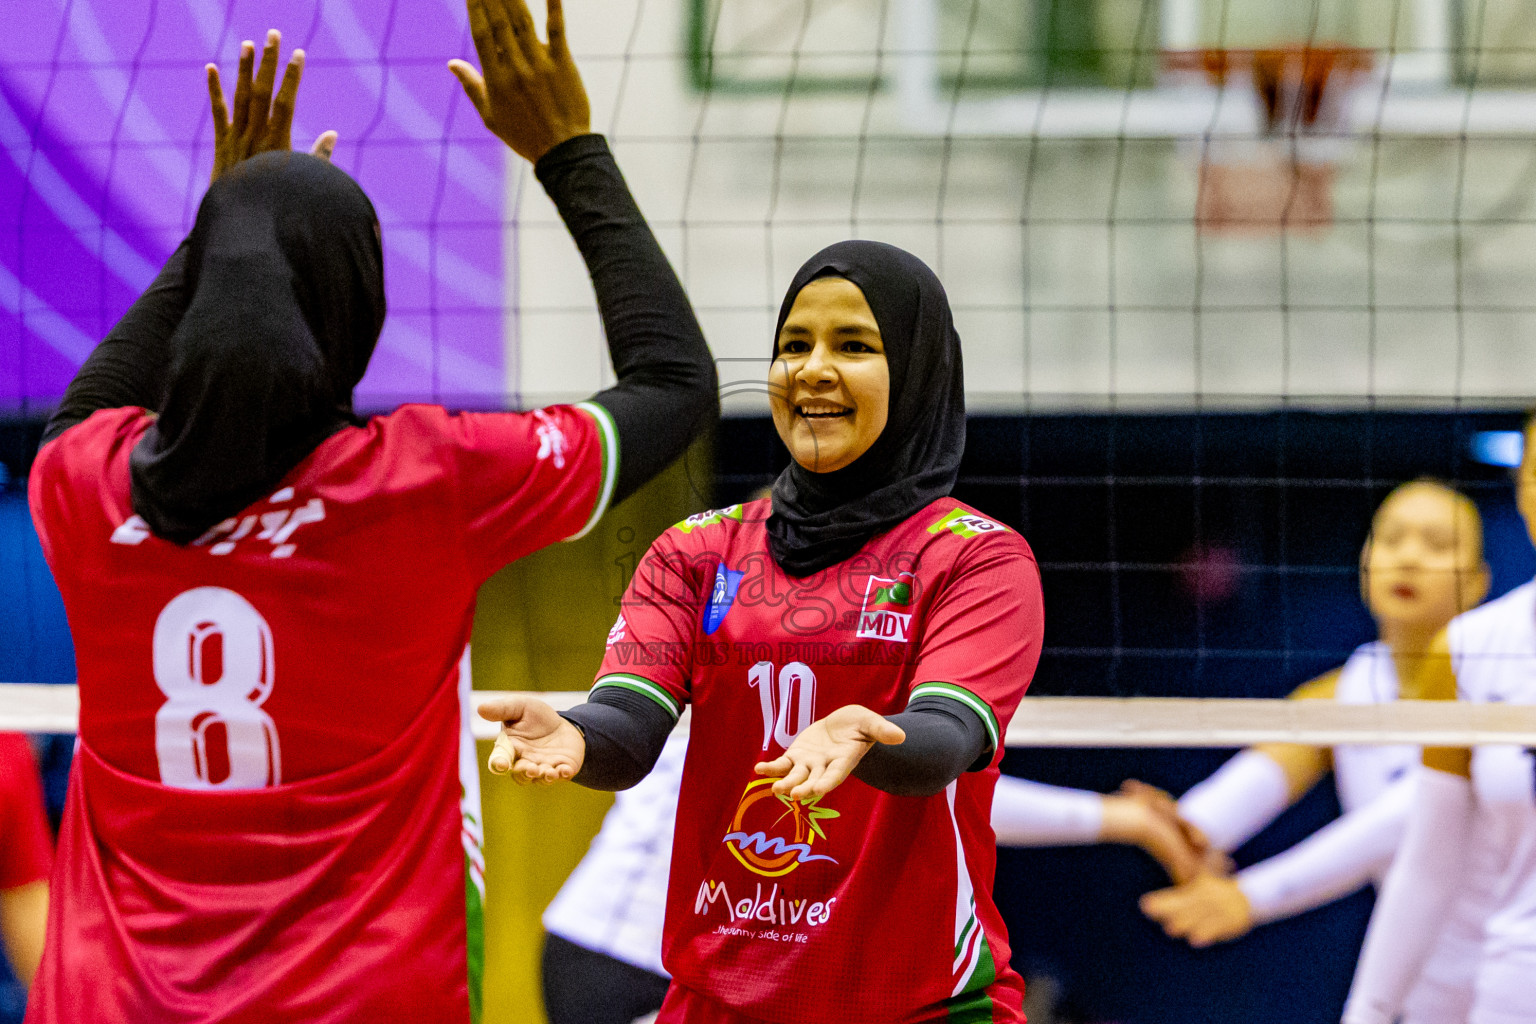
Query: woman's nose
point(817, 368)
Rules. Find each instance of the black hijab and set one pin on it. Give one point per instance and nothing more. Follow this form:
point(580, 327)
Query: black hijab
point(820, 519)
point(286, 278)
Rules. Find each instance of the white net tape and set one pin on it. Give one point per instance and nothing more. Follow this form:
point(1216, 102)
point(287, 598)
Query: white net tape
point(1072, 721)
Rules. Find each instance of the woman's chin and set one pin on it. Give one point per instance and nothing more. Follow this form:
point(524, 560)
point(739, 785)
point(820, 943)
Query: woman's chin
point(821, 458)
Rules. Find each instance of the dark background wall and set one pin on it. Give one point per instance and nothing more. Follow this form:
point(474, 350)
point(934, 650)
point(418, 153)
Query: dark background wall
point(1210, 555)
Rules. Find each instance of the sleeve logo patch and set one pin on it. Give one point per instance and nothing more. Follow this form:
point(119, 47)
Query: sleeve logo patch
point(551, 439)
point(887, 610)
point(721, 597)
point(966, 524)
point(713, 516)
point(617, 632)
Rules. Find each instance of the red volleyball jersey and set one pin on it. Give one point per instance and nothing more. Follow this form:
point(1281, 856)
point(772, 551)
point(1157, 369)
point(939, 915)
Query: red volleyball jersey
point(865, 906)
point(276, 801)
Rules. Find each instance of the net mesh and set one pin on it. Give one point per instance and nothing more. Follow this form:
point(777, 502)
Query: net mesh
point(1191, 428)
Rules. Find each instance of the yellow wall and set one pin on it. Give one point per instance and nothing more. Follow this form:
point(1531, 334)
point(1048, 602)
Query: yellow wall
point(540, 625)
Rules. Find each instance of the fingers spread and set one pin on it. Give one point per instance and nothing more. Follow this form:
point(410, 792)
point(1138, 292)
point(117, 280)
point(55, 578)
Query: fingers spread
point(798, 774)
point(266, 77)
point(282, 105)
point(243, 87)
point(216, 102)
point(504, 46)
point(554, 26)
point(480, 31)
point(775, 768)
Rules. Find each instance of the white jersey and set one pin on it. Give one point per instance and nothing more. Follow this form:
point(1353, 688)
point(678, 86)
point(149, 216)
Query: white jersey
point(1493, 653)
point(615, 900)
point(1364, 773)
point(1444, 991)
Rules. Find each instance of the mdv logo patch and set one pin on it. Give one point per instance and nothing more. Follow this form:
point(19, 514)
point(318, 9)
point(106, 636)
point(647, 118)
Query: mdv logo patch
point(887, 610)
point(721, 597)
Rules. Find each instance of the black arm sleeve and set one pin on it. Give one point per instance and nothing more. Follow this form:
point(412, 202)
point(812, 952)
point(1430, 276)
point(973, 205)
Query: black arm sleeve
point(129, 366)
point(666, 392)
point(625, 733)
point(944, 740)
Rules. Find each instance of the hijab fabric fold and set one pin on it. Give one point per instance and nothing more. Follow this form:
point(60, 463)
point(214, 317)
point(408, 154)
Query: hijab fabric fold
point(285, 275)
point(820, 519)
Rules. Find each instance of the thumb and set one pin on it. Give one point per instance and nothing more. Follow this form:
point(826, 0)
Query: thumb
point(504, 709)
point(883, 730)
point(324, 146)
point(474, 86)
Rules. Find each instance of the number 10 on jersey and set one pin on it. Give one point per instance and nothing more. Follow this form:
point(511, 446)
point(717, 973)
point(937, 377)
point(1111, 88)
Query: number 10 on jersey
point(790, 708)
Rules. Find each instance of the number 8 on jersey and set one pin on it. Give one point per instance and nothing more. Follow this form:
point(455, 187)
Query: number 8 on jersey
point(213, 662)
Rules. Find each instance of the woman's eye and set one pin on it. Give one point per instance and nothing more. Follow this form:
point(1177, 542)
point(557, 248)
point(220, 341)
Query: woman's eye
point(856, 346)
point(793, 346)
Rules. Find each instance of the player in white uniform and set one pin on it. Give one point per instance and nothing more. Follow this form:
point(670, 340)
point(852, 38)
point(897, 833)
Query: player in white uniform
point(1467, 801)
point(1422, 565)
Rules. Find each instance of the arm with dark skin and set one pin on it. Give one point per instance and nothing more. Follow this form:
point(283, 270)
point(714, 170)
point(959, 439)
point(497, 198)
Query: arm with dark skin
point(129, 367)
point(530, 95)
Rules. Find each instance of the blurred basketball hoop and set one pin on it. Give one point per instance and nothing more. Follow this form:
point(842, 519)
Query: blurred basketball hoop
point(1279, 178)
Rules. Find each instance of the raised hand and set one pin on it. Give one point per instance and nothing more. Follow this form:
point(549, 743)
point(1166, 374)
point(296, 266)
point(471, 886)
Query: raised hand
point(262, 122)
point(827, 751)
point(530, 95)
point(1204, 911)
point(536, 745)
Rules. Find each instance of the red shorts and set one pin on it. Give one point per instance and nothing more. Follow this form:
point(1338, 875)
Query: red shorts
point(685, 1006)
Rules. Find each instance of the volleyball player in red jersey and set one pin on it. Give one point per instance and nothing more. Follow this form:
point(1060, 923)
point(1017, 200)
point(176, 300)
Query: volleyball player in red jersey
point(271, 596)
point(853, 650)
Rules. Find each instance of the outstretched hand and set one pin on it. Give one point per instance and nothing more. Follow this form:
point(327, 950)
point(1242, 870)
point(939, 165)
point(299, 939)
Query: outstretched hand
point(262, 122)
point(1207, 910)
point(827, 751)
point(535, 744)
point(530, 94)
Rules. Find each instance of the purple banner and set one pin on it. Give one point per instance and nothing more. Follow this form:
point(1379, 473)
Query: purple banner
point(107, 144)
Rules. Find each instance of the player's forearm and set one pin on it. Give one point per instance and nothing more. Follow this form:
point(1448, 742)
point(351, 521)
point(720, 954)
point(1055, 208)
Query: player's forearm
point(1028, 813)
point(944, 739)
point(624, 734)
point(1234, 805)
point(666, 392)
point(130, 365)
point(1423, 882)
point(1333, 862)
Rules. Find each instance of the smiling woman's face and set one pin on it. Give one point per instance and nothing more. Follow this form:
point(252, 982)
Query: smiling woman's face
point(831, 384)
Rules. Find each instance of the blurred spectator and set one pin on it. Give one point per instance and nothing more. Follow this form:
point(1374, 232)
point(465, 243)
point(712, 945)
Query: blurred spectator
point(26, 857)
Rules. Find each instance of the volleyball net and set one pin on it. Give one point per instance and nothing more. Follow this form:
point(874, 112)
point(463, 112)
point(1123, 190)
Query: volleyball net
point(1063, 721)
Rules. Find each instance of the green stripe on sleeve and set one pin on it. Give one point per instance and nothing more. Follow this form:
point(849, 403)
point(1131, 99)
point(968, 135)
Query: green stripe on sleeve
point(609, 433)
point(644, 687)
point(959, 693)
